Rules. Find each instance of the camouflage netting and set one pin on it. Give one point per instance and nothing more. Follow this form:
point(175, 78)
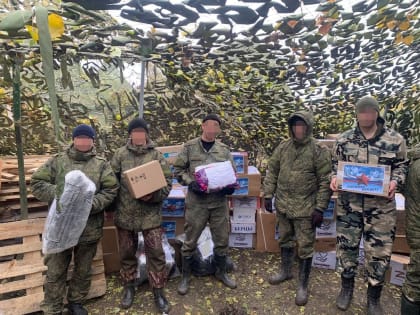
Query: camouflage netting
point(253, 62)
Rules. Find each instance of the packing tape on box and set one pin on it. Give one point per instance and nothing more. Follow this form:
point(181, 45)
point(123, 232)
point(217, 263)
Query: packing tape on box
point(263, 230)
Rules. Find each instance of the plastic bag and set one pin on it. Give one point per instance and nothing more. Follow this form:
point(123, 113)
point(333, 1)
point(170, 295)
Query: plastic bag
point(215, 176)
point(64, 225)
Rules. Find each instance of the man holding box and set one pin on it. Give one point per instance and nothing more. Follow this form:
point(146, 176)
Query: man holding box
point(203, 207)
point(374, 216)
point(140, 215)
point(298, 176)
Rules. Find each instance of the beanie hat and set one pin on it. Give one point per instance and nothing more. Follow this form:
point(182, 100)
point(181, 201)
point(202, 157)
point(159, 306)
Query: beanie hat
point(137, 123)
point(212, 117)
point(84, 130)
point(367, 102)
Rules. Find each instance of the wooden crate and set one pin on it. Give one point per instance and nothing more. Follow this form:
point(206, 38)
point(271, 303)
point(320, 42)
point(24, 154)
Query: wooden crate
point(22, 273)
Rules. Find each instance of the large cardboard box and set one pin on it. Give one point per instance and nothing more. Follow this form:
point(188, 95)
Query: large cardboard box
point(240, 160)
point(400, 245)
point(173, 226)
point(145, 179)
point(241, 240)
point(327, 229)
point(244, 208)
point(266, 232)
point(242, 227)
point(325, 244)
point(249, 184)
point(110, 249)
point(244, 215)
point(397, 269)
point(171, 152)
point(324, 260)
point(173, 207)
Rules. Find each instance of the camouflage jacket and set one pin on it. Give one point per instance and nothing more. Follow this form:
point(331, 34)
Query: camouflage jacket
point(412, 201)
point(387, 147)
point(192, 155)
point(131, 213)
point(47, 183)
point(298, 174)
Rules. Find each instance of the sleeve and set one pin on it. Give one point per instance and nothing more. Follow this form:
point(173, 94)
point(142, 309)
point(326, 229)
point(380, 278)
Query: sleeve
point(108, 189)
point(323, 171)
point(272, 174)
point(43, 184)
point(160, 195)
point(400, 166)
point(181, 167)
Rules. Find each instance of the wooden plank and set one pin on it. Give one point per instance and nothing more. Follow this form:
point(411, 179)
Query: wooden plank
point(21, 228)
point(21, 305)
point(30, 257)
point(11, 269)
point(22, 284)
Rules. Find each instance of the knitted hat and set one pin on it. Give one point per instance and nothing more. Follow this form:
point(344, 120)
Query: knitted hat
point(137, 123)
point(367, 102)
point(84, 130)
point(212, 117)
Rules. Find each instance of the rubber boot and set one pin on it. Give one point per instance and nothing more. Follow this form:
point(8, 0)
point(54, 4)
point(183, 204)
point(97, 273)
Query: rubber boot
point(160, 300)
point(77, 309)
point(128, 295)
point(408, 307)
point(221, 273)
point(373, 300)
point(346, 293)
point(186, 275)
point(285, 266)
point(302, 291)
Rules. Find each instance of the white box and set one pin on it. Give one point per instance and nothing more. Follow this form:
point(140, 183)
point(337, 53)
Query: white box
point(244, 215)
point(324, 260)
point(242, 227)
point(245, 203)
point(241, 240)
point(327, 229)
point(398, 269)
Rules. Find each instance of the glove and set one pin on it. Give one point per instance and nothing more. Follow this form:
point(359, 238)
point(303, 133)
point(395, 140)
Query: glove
point(317, 217)
point(227, 191)
point(195, 188)
point(268, 203)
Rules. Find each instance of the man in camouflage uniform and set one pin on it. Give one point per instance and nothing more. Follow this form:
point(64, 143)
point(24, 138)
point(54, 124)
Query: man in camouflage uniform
point(371, 142)
point(140, 215)
point(410, 299)
point(298, 176)
point(47, 183)
point(204, 207)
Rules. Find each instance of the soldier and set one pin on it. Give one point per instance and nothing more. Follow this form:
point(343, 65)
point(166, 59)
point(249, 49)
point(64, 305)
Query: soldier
point(47, 184)
point(204, 207)
point(410, 299)
point(140, 215)
point(371, 142)
point(298, 176)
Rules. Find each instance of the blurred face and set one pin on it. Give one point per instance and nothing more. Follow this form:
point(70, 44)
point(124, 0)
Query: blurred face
point(211, 129)
point(83, 143)
point(299, 129)
point(138, 136)
point(367, 118)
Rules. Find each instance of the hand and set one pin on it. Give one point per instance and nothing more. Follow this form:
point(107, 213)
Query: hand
point(227, 191)
point(268, 203)
point(392, 189)
point(147, 197)
point(333, 184)
point(195, 188)
point(317, 217)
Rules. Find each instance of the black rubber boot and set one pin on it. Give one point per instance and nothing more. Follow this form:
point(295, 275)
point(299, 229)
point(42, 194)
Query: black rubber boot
point(128, 296)
point(302, 291)
point(160, 300)
point(285, 266)
point(186, 274)
point(346, 293)
point(221, 273)
point(373, 300)
point(408, 307)
point(77, 309)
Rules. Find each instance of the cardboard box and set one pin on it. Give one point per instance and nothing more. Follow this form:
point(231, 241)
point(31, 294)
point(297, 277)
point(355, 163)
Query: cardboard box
point(397, 269)
point(266, 232)
point(111, 262)
point(240, 160)
point(325, 244)
point(171, 152)
point(244, 202)
point(243, 215)
point(249, 184)
point(324, 260)
point(363, 178)
point(327, 229)
point(241, 227)
point(173, 226)
point(145, 179)
point(330, 213)
point(400, 245)
point(329, 143)
point(400, 201)
point(173, 207)
point(241, 240)
point(110, 249)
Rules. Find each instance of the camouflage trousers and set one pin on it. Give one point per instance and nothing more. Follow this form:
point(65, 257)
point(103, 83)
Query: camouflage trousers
point(196, 217)
point(411, 286)
point(155, 257)
point(375, 219)
point(296, 230)
point(79, 284)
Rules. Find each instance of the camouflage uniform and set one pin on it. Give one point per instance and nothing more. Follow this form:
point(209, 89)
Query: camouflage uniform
point(298, 175)
point(47, 183)
point(134, 215)
point(373, 216)
point(411, 287)
point(201, 209)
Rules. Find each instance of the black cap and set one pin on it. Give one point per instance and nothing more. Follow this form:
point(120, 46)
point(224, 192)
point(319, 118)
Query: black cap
point(212, 117)
point(84, 130)
point(137, 123)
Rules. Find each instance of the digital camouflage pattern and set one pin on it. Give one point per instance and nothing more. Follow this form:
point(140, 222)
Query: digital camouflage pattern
point(373, 215)
point(211, 207)
point(411, 287)
point(134, 214)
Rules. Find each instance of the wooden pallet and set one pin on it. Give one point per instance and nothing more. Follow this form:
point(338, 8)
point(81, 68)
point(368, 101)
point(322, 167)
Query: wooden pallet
point(22, 273)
